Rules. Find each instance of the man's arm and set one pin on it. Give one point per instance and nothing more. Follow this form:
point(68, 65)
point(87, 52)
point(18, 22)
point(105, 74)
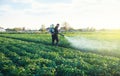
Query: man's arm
point(61, 34)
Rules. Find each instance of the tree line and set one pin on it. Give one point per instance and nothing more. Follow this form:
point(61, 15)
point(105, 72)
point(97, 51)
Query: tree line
point(65, 27)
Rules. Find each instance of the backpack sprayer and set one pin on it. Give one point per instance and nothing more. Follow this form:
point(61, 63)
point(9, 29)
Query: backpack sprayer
point(52, 30)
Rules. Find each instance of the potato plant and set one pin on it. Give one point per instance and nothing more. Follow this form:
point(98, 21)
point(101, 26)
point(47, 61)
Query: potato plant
point(33, 55)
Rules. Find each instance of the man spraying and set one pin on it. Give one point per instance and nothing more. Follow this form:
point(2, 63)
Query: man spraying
point(54, 34)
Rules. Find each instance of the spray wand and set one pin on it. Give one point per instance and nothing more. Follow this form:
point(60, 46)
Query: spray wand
point(61, 34)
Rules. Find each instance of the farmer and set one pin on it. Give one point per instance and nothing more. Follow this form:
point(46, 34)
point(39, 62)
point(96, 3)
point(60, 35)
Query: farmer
point(51, 30)
point(54, 33)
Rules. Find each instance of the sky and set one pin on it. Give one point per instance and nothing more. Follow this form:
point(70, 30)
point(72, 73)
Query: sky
point(77, 13)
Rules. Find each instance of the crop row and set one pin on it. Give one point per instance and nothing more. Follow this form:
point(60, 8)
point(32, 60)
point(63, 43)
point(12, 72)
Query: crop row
point(22, 57)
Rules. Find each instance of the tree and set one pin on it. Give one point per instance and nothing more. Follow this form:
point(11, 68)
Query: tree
point(23, 28)
point(17, 29)
point(43, 29)
point(90, 29)
point(14, 29)
point(66, 26)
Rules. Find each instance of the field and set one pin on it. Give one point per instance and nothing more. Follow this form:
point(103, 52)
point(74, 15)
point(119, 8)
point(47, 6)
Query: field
point(33, 55)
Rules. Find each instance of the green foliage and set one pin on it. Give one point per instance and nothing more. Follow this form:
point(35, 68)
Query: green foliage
point(33, 55)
